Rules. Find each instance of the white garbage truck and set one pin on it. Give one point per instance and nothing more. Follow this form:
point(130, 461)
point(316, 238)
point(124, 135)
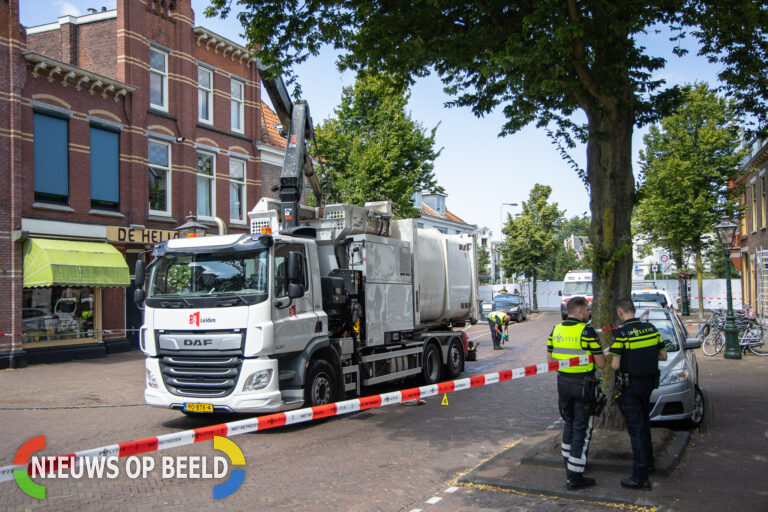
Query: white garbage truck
point(308, 308)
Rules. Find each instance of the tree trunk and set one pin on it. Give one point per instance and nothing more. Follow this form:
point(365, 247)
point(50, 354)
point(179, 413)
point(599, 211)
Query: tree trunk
point(612, 185)
point(534, 300)
point(699, 271)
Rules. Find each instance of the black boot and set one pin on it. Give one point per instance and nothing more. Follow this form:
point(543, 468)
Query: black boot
point(631, 483)
point(579, 482)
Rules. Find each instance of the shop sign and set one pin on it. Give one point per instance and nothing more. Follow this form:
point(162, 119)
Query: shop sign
point(139, 235)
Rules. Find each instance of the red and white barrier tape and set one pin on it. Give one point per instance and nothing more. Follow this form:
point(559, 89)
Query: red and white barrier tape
point(280, 419)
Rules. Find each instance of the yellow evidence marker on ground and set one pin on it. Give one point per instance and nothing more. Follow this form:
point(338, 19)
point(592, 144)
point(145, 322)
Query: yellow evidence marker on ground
point(445, 399)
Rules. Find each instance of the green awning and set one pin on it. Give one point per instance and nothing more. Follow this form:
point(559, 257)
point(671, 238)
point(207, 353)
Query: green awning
point(67, 263)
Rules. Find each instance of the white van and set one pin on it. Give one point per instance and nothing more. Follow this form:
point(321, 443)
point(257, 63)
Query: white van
point(577, 283)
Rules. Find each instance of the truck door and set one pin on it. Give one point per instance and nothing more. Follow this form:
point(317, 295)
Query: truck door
point(296, 324)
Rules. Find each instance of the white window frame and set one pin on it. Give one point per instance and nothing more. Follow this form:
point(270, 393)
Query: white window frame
point(238, 104)
point(164, 75)
point(168, 188)
point(240, 183)
point(208, 94)
point(212, 179)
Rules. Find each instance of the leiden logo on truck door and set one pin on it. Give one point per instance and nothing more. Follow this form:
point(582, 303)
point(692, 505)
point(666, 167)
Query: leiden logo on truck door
point(195, 319)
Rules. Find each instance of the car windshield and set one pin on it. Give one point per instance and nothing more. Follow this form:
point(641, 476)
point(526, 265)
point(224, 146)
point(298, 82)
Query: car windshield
point(649, 297)
point(195, 275)
point(577, 288)
point(667, 331)
point(505, 300)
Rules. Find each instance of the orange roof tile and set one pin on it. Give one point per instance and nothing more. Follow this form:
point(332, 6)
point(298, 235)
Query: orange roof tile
point(268, 131)
point(451, 216)
point(448, 215)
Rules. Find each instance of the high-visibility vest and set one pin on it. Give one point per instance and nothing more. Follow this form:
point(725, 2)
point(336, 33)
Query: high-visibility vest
point(497, 316)
point(566, 343)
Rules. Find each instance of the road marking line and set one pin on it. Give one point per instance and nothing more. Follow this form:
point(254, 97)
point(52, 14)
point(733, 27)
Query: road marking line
point(434, 499)
point(451, 489)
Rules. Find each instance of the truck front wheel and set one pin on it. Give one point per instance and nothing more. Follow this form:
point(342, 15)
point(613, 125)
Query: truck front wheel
point(431, 364)
point(320, 383)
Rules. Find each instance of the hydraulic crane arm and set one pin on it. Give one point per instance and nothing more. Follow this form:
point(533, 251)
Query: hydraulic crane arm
point(297, 162)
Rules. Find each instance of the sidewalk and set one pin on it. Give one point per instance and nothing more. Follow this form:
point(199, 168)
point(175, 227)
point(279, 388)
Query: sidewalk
point(720, 470)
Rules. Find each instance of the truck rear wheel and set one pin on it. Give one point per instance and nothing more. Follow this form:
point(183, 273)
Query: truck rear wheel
point(455, 363)
point(431, 364)
point(320, 383)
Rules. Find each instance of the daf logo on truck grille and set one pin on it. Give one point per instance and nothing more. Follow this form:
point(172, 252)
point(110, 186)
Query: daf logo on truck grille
point(198, 343)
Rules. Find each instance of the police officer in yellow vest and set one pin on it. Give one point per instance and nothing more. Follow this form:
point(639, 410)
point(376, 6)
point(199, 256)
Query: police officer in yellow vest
point(576, 388)
point(495, 320)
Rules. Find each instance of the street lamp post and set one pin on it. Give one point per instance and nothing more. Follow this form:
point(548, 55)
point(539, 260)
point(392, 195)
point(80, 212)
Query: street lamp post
point(726, 232)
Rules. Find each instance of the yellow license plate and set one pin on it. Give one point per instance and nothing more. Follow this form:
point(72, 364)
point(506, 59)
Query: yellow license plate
point(198, 407)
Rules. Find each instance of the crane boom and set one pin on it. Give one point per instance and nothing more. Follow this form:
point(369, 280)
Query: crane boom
point(297, 162)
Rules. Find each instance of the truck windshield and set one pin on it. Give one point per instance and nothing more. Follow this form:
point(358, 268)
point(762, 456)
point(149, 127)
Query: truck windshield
point(197, 275)
point(578, 288)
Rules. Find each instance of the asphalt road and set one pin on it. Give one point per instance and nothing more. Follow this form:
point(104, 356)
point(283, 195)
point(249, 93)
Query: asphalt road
point(396, 458)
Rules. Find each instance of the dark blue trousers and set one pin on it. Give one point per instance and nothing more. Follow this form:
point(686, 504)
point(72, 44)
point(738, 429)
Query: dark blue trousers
point(495, 337)
point(576, 411)
point(635, 404)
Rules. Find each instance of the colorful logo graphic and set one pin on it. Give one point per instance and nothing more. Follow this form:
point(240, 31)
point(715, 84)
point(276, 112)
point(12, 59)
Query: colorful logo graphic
point(237, 476)
point(22, 457)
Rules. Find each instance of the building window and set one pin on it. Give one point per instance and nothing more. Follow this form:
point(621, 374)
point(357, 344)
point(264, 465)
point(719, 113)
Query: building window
point(754, 206)
point(743, 215)
point(762, 201)
point(159, 178)
point(158, 79)
point(51, 153)
point(105, 169)
point(237, 190)
point(204, 95)
point(59, 314)
point(206, 170)
point(236, 102)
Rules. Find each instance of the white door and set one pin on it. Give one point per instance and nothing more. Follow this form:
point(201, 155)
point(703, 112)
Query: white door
point(296, 324)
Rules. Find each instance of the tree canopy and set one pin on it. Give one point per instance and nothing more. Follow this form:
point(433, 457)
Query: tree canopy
point(372, 150)
point(530, 238)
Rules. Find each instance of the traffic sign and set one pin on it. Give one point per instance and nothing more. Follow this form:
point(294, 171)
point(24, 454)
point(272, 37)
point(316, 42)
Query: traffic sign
point(655, 268)
point(664, 258)
point(666, 269)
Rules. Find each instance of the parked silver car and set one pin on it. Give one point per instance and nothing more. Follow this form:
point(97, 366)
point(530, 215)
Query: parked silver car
point(678, 397)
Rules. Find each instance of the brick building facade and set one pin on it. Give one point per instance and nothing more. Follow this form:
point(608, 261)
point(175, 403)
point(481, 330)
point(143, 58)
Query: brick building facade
point(751, 252)
point(116, 125)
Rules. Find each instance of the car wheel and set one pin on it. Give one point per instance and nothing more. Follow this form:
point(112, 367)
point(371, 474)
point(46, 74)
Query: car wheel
point(698, 409)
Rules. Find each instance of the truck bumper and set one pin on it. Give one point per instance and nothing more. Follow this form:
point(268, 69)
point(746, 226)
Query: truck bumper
point(263, 400)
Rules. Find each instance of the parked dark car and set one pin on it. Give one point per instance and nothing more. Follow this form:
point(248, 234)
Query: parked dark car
point(512, 304)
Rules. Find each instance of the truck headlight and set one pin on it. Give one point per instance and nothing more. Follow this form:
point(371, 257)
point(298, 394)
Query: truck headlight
point(151, 381)
point(674, 377)
point(258, 380)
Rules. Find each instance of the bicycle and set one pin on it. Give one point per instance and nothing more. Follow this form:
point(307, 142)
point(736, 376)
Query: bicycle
point(750, 334)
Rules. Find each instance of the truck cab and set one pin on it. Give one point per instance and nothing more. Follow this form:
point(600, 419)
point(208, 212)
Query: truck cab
point(577, 283)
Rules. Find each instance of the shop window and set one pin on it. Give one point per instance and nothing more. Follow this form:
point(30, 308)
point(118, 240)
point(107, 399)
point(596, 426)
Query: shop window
point(51, 153)
point(236, 190)
point(158, 79)
point(204, 95)
point(105, 169)
point(206, 185)
point(59, 314)
point(159, 178)
point(236, 105)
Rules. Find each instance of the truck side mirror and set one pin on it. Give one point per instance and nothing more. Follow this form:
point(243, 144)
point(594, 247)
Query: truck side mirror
point(560, 293)
point(138, 296)
point(295, 291)
point(141, 271)
point(295, 271)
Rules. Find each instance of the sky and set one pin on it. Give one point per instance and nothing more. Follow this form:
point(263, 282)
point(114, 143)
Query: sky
point(479, 171)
